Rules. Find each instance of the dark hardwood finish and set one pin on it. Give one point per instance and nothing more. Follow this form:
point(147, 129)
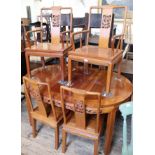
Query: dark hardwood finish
point(121, 90)
point(79, 123)
point(46, 113)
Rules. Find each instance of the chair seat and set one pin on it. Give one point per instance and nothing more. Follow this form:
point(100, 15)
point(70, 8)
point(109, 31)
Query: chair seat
point(95, 52)
point(48, 47)
point(50, 119)
point(89, 131)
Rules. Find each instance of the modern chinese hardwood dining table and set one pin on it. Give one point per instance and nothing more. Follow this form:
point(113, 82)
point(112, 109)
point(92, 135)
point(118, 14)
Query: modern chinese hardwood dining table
point(121, 90)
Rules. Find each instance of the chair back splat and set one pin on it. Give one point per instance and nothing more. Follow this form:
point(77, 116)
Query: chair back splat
point(32, 90)
point(104, 20)
point(58, 22)
point(76, 120)
point(40, 110)
point(79, 99)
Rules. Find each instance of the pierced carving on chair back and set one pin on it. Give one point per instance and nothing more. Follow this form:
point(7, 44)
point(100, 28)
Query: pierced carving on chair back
point(79, 106)
point(79, 100)
point(106, 23)
point(79, 110)
point(55, 25)
point(57, 22)
point(33, 91)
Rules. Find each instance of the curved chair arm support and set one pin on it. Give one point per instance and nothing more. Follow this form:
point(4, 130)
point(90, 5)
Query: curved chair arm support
point(63, 34)
point(28, 42)
point(119, 44)
point(77, 33)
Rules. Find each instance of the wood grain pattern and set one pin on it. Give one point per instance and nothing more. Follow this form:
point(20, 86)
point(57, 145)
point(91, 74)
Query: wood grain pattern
point(101, 55)
point(121, 90)
point(79, 123)
point(46, 113)
point(47, 49)
point(57, 48)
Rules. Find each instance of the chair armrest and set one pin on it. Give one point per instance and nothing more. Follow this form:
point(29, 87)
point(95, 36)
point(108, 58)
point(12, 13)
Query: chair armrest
point(76, 33)
point(120, 42)
point(28, 42)
point(62, 34)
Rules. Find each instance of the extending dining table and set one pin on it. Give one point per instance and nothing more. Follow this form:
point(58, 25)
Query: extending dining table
point(121, 91)
point(45, 49)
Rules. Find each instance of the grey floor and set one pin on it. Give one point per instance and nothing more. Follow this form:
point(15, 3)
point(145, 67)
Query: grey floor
point(43, 144)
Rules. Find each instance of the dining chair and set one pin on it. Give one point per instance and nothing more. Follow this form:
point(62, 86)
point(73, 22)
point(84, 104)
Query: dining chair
point(43, 112)
point(109, 51)
point(56, 24)
point(126, 110)
point(77, 122)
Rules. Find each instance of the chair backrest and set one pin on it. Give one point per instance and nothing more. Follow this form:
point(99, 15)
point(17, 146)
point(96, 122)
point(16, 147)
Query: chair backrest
point(105, 20)
point(78, 98)
point(34, 89)
point(57, 21)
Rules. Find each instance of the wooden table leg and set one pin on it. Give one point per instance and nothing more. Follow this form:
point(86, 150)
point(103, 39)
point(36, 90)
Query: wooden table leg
point(62, 64)
point(28, 64)
point(109, 131)
point(69, 70)
point(109, 76)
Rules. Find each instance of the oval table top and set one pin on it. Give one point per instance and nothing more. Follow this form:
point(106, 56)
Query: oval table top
point(121, 89)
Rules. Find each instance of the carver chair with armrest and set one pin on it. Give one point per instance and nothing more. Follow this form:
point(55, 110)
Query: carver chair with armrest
point(107, 53)
point(55, 31)
point(45, 113)
point(78, 122)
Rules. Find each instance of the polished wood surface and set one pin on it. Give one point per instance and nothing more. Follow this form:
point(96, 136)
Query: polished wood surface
point(106, 57)
point(96, 52)
point(46, 113)
point(59, 42)
point(121, 90)
point(47, 49)
point(98, 56)
point(78, 122)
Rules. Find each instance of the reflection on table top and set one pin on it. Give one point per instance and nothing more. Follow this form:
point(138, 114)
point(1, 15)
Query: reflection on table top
point(121, 89)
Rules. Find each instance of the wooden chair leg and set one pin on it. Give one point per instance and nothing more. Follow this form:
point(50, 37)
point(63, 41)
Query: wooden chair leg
point(64, 136)
point(56, 137)
point(96, 147)
point(34, 132)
